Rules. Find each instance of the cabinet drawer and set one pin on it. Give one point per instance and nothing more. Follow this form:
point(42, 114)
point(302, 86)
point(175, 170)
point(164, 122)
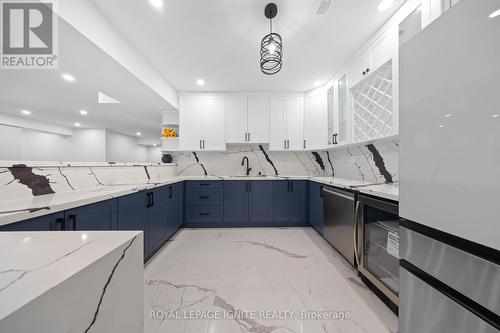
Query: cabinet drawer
point(200, 197)
point(204, 214)
point(203, 185)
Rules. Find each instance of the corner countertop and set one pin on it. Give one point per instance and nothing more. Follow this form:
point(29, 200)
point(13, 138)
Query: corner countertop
point(42, 260)
point(25, 208)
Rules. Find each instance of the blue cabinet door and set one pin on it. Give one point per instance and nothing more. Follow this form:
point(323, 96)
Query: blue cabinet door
point(316, 203)
point(261, 201)
point(133, 215)
point(236, 201)
point(175, 208)
point(298, 201)
point(157, 218)
point(281, 202)
point(98, 216)
point(42, 223)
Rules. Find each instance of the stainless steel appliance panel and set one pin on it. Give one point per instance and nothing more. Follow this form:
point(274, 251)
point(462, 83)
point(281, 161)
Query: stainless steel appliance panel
point(423, 309)
point(338, 229)
point(474, 277)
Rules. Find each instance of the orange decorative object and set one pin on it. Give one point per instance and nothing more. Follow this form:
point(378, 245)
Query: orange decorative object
point(169, 133)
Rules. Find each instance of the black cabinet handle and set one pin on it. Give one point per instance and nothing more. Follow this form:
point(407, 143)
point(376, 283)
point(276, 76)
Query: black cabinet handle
point(150, 200)
point(171, 193)
point(291, 186)
point(249, 187)
point(204, 197)
point(72, 218)
point(246, 187)
point(204, 184)
point(321, 191)
point(364, 72)
point(367, 70)
point(60, 223)
point(204, 214)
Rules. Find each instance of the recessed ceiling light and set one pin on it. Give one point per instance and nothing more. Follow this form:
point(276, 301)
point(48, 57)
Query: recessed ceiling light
point(384, 4)
point(495, 13)
point(441, 126)
point(154, 144)
point(138, 133)
point(495, 115)
point(83, 112)
point(68, 77)
point(26, 112)
point(158, 4)
point(447, 115)
point(77, 124)
point(200, 82)
point(318, 83)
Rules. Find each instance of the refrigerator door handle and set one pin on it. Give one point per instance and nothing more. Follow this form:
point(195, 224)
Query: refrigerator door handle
point(357, 259)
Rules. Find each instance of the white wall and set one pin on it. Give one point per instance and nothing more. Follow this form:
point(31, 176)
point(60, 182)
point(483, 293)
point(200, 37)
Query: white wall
point(123, 148)
point(85, 145)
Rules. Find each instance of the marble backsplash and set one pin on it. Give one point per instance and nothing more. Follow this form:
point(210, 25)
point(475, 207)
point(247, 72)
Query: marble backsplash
point(34, 178)
point(377, 163)
point(373, 163)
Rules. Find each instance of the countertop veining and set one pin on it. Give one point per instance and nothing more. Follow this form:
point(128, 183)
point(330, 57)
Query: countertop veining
point(25, 208)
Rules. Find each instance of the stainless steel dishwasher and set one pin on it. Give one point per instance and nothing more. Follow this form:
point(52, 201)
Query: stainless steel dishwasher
point(338, 228)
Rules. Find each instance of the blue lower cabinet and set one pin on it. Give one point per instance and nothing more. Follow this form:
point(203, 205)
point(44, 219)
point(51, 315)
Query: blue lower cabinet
point(298, 201)
point(236, 201)
point(281, 207)
point(133, 215)
point(316, 204)
point(97, 216)
point(290, 202)
point(203, 203)
point(260, 203)
point(157, 226)
point(42, 223)
point(175, 208)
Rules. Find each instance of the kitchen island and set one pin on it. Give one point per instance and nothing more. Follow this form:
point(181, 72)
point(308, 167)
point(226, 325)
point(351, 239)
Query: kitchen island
point(71, 281)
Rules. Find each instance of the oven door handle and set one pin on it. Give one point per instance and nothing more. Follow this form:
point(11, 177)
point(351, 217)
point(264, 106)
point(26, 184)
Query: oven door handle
point(357, 259)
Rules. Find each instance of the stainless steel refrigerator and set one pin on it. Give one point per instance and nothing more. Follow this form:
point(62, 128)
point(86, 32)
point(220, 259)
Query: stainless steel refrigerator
point(450, 173)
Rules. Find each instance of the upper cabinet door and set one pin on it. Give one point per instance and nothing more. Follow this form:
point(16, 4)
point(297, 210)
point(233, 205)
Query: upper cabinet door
point(214, 127)
point(236, 119)
point(359, 69)
point(385, 47)
point(191, 122)
point(343, 111)
point(295, 123)
point(258, 119)
point(332, 116)
point(277, 123)
point(315, 120)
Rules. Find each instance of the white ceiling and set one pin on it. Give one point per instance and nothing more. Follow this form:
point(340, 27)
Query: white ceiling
point(53, 100)
point(218, 40)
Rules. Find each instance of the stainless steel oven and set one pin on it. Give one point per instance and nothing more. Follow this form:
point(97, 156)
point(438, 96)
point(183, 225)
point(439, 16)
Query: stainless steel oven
point(377, 245)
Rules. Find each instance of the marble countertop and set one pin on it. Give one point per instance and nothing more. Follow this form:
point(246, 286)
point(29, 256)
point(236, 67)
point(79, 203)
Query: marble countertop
point(43, 260)
point(25, 208)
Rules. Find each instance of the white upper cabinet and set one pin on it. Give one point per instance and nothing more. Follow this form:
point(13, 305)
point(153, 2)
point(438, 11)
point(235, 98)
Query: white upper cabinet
point(247, 119)
point(236, 119)
point(214, 134)
point(384, 48)
point(315, 120)
point(202, 123)
point(359, 68)
point(286, 123)
point(277, 125)
point(190, 122)
point(258, 119)
point(295, 122)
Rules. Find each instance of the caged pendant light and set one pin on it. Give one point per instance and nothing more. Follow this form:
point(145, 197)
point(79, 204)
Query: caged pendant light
point(271, 46)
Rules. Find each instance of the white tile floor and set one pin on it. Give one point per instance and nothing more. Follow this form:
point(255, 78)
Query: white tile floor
point(247, 271)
